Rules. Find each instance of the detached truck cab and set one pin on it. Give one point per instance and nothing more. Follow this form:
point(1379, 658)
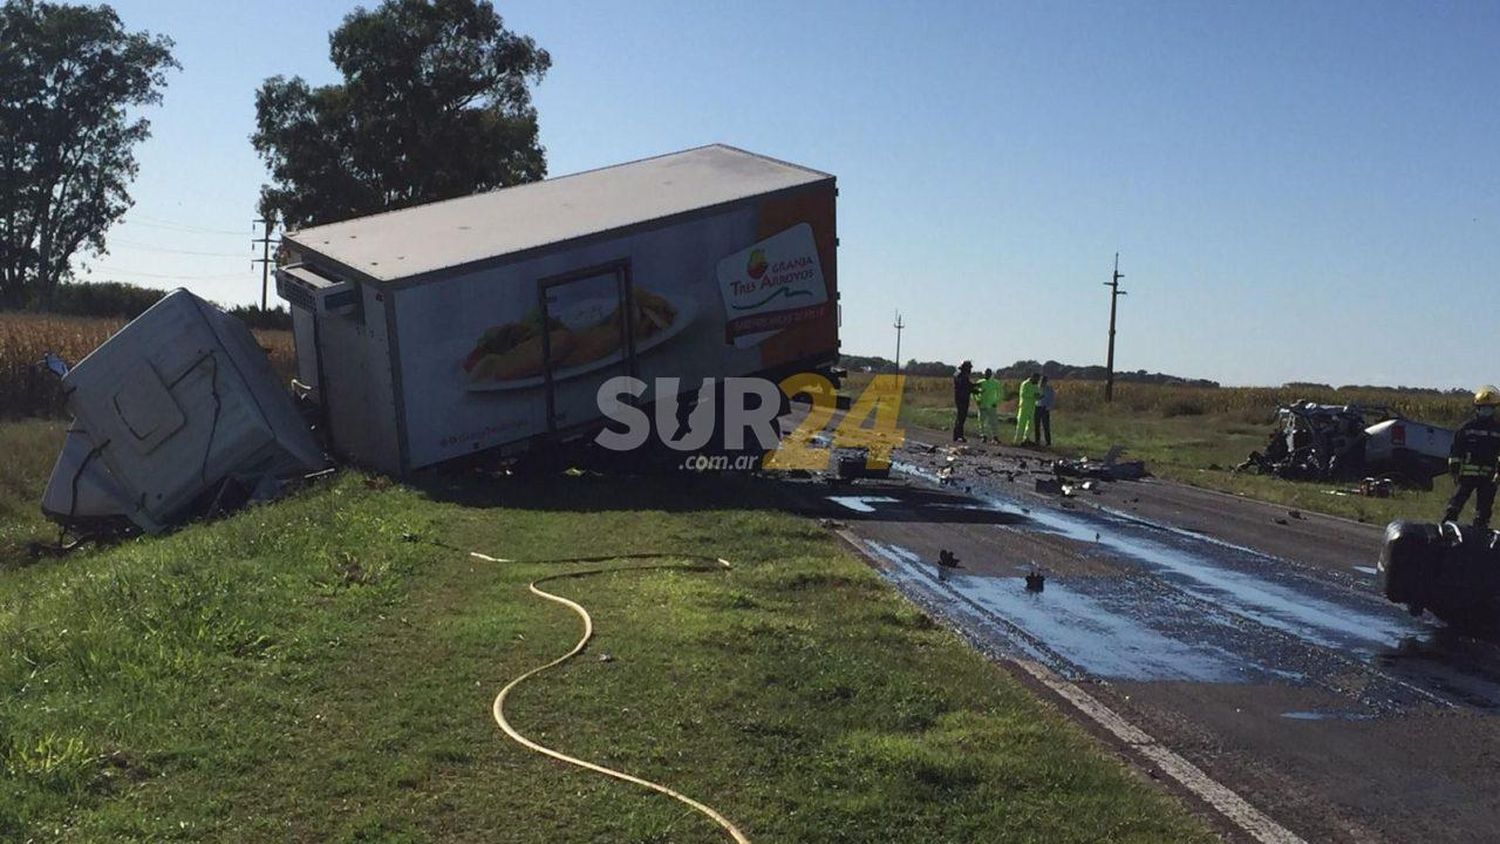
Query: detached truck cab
point(491, 321)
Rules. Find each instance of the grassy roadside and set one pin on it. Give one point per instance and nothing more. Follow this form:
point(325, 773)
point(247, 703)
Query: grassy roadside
point(28, 449)
point(299, 672)
point(1194, 447)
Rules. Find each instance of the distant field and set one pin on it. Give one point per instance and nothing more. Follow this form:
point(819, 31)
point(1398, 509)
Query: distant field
point(1248, 404)
point(1196, 434)
point(25, 337)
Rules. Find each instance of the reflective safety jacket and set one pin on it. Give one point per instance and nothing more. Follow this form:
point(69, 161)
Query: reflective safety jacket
point(991, 392)
point(1030, 390)
point(1476, 448)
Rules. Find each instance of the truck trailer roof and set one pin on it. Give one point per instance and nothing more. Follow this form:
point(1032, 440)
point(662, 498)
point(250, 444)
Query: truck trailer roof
point(397, 245)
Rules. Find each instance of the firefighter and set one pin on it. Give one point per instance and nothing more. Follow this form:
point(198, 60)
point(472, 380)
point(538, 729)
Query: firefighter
point(1474, 458)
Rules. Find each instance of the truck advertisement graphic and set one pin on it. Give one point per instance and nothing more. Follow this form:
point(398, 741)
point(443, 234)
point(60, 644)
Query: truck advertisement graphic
point(505, 312)
point(775, 283)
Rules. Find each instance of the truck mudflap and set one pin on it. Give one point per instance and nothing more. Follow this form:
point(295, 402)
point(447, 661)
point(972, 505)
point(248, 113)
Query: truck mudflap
point(1451, 571)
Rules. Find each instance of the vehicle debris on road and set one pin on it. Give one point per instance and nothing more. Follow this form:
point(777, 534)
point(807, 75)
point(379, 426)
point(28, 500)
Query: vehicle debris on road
point(1325, 442)
point(946, 560)
point(1108, 468)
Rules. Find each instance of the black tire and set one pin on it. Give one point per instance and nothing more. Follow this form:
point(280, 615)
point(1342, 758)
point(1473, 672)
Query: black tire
point(1470, 619)
point(1405, 557)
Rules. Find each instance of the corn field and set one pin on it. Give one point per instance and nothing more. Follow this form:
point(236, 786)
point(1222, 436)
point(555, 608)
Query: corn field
point(27, 389)
point(1253, 405)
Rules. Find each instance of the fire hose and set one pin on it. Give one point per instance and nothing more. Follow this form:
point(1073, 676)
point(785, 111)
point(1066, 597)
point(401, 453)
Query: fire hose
point(703, 563)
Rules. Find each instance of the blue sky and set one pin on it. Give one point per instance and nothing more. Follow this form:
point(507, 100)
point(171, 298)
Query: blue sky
point(1298, 191)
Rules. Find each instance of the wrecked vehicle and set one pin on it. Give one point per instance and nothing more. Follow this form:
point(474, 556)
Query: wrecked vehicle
point(175, 416)
point(490, 323)
point(1450, 570)
point(1325, 442)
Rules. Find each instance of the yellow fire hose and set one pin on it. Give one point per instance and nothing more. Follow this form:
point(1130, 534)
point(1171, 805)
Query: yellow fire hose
point(705, 563)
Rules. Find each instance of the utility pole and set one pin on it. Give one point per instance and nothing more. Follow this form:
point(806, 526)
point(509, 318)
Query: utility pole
point(898, 325)
point(1114, 297)
point(265, 258)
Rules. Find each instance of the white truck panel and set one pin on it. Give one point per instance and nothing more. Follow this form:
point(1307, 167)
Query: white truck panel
point(179, 399)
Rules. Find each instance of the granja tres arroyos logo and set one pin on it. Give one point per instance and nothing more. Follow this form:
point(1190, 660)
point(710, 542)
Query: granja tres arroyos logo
point(771, 285)
point(786, 278)
point(750, 409)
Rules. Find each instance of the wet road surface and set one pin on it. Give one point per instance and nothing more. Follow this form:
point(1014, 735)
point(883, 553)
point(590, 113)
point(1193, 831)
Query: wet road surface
point(1250, 640)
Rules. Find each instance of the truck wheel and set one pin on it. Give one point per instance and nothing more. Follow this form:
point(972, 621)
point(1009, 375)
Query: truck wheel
point(1405, 555)
point(1472, 619)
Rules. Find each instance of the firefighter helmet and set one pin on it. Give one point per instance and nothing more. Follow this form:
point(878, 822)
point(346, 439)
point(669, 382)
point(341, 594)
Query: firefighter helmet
point(1486, 396)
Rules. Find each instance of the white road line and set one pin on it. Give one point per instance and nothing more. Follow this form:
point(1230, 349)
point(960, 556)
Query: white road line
point(1224, 800)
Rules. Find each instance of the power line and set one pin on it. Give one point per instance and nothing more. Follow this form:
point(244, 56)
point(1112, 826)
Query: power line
point(153, 247)
point(163, 223)
point(265, 260)
point(899, 325)
point(111, 271)
point(179, 229)
point(1114, 297)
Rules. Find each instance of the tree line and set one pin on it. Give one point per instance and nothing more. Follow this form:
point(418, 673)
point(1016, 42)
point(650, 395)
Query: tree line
point(1021, 369)
point(435, 103)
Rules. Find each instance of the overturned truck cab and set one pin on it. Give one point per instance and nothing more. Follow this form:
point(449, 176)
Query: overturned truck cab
point(176, 416)
point(1449, 570)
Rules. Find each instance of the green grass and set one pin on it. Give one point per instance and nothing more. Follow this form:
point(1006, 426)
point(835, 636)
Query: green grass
point(300, 672)
point(1171, 429)
point(27, 451)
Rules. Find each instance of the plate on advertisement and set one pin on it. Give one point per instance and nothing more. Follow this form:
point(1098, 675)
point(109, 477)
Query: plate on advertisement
point(584, 336)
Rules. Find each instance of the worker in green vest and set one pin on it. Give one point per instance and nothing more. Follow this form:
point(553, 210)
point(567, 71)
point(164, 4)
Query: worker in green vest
point(1026, 398)
point(991, 393)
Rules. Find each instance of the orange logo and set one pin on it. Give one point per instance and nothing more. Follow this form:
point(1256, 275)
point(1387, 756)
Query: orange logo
point(756, 266)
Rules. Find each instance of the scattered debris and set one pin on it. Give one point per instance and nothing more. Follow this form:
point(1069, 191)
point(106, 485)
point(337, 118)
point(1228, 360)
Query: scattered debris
point(1049, 486)
point(1035, 581)
point(946, 560)
point(1327, 442)
point(1109, 468)
point(1296, 514)
point(606, 657)
point(854, 463)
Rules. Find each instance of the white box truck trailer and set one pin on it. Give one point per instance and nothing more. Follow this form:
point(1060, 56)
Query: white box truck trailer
point(491, 321)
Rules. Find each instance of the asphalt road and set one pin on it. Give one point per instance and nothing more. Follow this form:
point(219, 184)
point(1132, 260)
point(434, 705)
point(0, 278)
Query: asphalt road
point(1248, 639)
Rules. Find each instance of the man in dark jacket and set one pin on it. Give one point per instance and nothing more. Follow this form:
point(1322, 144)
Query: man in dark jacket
point(1474, 459)
point(963, 389)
